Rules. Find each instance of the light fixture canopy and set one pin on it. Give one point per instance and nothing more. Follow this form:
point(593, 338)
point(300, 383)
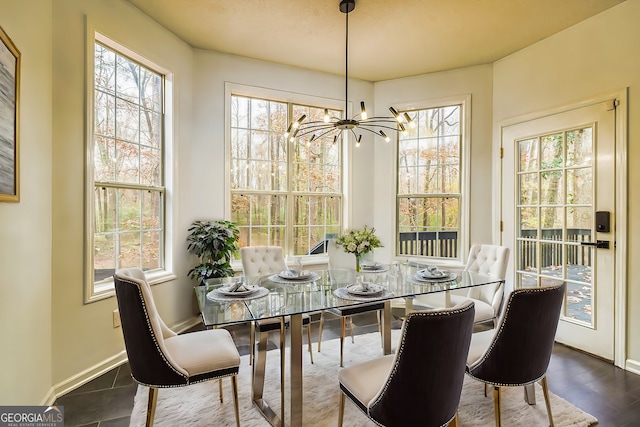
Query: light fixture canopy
point(358, 124)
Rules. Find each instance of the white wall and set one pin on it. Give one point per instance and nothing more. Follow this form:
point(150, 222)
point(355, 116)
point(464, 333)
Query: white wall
point(25, 227)
point(593, 58)
point(84, 340)
point(474, 81)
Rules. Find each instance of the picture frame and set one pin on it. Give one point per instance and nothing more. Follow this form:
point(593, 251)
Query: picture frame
point(9, 120)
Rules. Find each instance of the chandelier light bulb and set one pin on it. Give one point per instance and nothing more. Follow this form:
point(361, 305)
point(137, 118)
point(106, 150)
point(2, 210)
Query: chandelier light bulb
point(411, 123)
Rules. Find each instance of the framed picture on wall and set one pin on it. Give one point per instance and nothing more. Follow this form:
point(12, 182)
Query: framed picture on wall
point(9, 108)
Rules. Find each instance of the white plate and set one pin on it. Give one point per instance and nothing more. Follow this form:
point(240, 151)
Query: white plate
point(225, 291)
point(357, 290)
point(436, 274)
point(290, 275)
point(372, 267)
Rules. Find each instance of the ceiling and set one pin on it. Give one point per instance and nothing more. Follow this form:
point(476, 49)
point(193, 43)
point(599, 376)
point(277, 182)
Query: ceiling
point(387, 39)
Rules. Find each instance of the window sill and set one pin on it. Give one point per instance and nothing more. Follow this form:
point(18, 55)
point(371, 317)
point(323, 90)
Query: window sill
point(106, 289)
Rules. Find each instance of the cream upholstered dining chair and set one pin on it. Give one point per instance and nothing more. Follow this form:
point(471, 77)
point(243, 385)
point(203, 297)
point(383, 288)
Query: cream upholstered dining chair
point(485, 259)
point(341, 262)
point(518, 351)
point(259, 261)
point(421, 384)
point(160, 358)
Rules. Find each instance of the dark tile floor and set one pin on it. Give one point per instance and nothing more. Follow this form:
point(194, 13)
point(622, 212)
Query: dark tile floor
point(610, 394)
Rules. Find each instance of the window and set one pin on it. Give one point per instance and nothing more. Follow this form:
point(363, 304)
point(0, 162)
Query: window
point(429, 184)
point(283, 193)
point(125, 168)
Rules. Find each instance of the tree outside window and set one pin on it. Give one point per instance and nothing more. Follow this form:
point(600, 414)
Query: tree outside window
point(284, 192)
point(128, 177)
point(429, 184)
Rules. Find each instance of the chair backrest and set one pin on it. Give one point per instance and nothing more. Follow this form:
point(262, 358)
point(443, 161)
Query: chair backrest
point(261, 260)
point(521, 349)
point(491, 260)
point(144, 332)
point(425, 382)
point(338, 258)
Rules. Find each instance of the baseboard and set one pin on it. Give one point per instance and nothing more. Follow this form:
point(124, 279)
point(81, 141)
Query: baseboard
point(89, 374)
point(186, 325)
point(633, 366)
point(106, 365)
point(49, 398)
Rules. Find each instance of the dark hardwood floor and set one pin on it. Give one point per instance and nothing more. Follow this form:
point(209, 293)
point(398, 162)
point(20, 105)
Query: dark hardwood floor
point(611, 394)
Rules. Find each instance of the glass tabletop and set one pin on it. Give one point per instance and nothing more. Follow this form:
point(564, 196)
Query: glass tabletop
point(223, 311)
point(271, 296)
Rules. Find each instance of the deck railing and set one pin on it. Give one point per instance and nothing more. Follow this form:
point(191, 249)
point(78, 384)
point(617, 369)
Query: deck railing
point(444, 244)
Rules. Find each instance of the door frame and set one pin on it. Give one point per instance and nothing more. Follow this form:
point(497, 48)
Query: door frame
point(621, 203)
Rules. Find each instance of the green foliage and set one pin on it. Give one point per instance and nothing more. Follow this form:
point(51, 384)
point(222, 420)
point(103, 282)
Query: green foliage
point(215, 243)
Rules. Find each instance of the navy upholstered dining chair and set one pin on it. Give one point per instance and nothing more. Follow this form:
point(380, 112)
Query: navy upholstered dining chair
point(158, 357)
point(421, 384)
point(518, 351)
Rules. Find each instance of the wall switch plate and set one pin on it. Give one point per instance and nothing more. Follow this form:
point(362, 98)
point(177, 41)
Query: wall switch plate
point(116, 319)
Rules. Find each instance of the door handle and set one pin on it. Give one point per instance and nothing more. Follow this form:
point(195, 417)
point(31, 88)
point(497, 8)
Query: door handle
point(600, 244)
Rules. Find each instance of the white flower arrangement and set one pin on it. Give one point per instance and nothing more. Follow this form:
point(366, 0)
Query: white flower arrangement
point(359, 242)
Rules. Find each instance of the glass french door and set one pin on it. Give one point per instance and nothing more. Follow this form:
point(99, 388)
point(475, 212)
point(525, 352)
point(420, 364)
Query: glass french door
point(557, 174)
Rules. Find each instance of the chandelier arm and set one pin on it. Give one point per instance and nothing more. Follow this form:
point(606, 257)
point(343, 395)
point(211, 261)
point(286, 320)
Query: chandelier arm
point(315, 125)
point(380, 119)
point(372, 125)
point(369, 130)
point(322, 133)
point(323, 129)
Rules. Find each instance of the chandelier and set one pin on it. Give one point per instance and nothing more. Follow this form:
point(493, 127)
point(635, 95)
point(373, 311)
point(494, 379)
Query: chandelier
point(358, 124)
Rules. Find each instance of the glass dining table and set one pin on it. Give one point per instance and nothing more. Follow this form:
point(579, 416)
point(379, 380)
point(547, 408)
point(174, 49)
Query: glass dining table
point(283, 294)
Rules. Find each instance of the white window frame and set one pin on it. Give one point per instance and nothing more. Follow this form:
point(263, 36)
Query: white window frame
point(465, 176)
point(95, 291)
point(236, 89)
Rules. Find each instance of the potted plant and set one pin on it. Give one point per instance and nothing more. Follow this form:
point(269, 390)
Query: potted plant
point(359, 242)
point(215, 243)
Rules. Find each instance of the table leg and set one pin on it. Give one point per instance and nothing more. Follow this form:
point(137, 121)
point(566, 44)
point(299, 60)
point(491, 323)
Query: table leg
point(447, 299)
point(257, 383)
point(295, 351)
point(530, 394)
point(386, 328)
point(408, 306)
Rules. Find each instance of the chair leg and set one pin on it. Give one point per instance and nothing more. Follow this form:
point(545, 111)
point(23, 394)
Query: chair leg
point(454, 421)
point(545, 391)
point(220, 387)
point(282, 344)
point(320, 330)
point(351, 329)
point(341, 410)
point(151, 406)
point(309, 342)
point(234, 386)
point(252, 342)
point(496, 404)
point(379, 318)
point(342, 334)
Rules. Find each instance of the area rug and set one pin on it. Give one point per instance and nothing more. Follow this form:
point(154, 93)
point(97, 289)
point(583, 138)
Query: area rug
point(199, 404)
